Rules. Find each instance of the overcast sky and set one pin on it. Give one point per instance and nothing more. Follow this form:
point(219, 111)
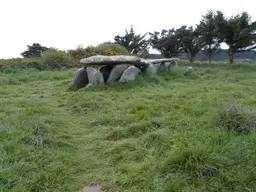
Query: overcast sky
point(65, 24)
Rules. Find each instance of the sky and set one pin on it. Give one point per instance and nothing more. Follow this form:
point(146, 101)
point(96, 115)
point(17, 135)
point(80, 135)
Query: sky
point(65, 24)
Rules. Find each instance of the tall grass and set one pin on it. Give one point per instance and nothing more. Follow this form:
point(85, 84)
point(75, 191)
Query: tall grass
point(235, 118)
point(154, 134)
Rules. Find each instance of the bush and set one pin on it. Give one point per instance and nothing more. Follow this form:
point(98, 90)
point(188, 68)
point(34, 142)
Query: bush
point(80, 52)
point(50, 59)
point(16, 64)
point(235, 118)
point(56, 60)
point(111, 49)
point(103, 49)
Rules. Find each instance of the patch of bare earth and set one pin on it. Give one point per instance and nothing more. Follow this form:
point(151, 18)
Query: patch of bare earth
point(91, 189)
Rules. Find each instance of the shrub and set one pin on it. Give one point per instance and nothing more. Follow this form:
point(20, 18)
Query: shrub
point(16, 64)
point(235, 118)
point(56, 60)
point(111, 49)
point(51, 59)
point(102, 49)
point(111, 52)
point(80, 52)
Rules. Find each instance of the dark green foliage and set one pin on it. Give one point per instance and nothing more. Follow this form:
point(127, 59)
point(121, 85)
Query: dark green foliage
point(56, 60)
point(106, 48)
point(166, 42)
point(81, 52)
point(111, 49)
point(174, 42)
point(135, 44)
point(238, 32)
point(235, 118)
point(15, 65)
point(49, 60)
point(190, 42)
point(209, 35)
point(34, 50)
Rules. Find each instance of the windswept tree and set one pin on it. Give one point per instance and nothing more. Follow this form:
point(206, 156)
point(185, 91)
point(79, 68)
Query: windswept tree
point(209, 35)
point(238, 32)
point(190, 41)
point(134, 43)
point(166, 42)
point(34, 50)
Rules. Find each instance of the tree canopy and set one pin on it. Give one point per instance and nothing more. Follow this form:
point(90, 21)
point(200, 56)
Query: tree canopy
point(134, 43)
point(34, 50)
point(209, 34)
point(238, 32)
point(190, 41)
point(166, 42)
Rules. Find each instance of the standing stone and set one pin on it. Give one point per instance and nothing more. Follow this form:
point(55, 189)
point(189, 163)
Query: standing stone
point(188, 71)
point(106, 70)
point(94, 76)
point(89, 85)
point(117, 72)
point(130, 74)
point(151, 69)
point(167, 64)
point(81, 78)
point(162, 67)
point(173, 66)
point(157, 66)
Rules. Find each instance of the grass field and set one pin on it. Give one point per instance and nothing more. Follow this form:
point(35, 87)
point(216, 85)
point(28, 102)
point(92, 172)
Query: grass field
point(155, 134)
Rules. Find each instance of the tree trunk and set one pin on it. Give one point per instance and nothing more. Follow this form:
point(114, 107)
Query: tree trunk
point(191, 59)
point(210, 53)
point(231, 57)
point(210, 58)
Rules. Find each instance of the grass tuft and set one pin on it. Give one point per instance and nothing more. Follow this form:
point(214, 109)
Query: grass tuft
point(235, 118)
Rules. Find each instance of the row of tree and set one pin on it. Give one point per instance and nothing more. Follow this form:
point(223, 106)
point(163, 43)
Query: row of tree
point(237, 32)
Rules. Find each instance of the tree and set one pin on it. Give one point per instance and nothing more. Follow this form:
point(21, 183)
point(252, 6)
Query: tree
point(190, 41)
point(166, 42)
point(209, 35)
point(34, 50)
point(238, 32)
point(135, 44)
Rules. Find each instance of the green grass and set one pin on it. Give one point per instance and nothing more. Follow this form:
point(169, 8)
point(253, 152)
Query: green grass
point(155, 134)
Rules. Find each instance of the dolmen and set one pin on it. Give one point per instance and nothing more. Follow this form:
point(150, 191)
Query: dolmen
point(101, 69)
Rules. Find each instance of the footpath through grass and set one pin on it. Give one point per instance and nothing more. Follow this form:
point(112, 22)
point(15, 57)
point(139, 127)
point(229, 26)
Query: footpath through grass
point(155, 134)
